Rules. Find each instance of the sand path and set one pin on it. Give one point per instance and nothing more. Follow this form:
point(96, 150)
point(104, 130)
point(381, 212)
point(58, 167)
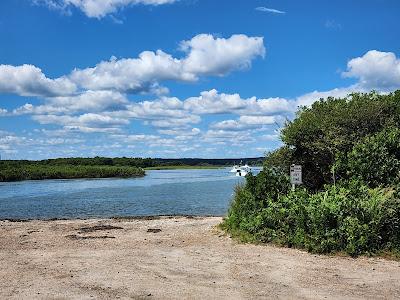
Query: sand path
point(188, 259)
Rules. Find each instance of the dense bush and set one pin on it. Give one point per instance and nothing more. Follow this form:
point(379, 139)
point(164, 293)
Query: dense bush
point(268, 184)
point(332, 126)
point(350, 201)
point(349, 217)
point(375, 159)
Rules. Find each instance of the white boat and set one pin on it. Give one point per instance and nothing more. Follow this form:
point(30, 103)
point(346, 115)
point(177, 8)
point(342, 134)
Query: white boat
point(234, 169)
point(240, 170)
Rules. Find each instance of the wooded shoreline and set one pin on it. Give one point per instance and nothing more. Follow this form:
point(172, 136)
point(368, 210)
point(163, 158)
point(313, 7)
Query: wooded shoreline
point(103, 167)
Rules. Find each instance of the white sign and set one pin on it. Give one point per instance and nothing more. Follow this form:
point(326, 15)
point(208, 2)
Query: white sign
point(295, 174)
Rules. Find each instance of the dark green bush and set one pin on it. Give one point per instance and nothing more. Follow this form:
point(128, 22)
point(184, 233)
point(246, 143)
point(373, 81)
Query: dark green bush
point(251, 198)
point(280, 159)
point(375, 159)
point(349, 217)
point(318, 133)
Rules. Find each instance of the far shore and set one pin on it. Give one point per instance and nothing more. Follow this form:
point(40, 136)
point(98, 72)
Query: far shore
point(169, 257)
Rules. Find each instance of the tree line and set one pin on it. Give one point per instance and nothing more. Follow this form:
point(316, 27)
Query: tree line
point(100, 167)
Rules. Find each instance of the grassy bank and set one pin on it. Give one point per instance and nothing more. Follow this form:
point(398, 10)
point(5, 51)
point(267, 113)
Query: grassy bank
point(40, 172)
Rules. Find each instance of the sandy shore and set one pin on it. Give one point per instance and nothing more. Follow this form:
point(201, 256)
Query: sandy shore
point(173, 258)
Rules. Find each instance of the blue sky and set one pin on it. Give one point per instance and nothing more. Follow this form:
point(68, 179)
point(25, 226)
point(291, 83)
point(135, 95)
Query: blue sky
point(181, 78)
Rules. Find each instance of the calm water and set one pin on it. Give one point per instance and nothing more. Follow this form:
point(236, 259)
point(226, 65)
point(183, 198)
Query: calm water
point(166, 192)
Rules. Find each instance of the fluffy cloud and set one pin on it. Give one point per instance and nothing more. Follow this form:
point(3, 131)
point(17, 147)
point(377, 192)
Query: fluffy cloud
point(212, 102)
point(93, 101)
point(232, 138)
point(98, 8)
point(104, 88)
point(310, 98)
point(164, 107)
point(88, 122)
point(162, 113)
point(176, 122)
point(96, 100)
point(10, 143)
point(181, 134)
point(131, 75)
point(244, 123)
point(28, 80)
point(375, 70)
point(205, 56)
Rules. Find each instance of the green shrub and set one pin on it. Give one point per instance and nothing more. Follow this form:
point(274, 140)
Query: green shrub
point(251, 198)
point(349, 217)
point(318, 133)
point(375, 159)
point(280, 159)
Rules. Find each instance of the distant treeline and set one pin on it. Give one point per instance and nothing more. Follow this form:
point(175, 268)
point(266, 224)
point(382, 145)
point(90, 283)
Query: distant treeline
point(100, 167)
point(18, 172)
point(136, 162)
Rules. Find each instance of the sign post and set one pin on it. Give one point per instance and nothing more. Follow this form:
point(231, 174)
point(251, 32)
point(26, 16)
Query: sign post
point(295, 176)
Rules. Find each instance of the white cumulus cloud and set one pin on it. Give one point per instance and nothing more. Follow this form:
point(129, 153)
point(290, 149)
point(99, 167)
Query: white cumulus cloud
point(244, 123)
point(28, 80)
point(88, 122)
point(205, 55)
point(375, 70)
point(93, 101)
point(213, 102)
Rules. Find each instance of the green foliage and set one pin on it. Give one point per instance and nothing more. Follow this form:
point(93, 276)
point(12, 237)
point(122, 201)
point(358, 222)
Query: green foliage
point(38, 172)
point(351, 218)
point(269, 183)
point(332, 126)
point(251, 198)
point(375, 159)
point(350, 201)
point(280, 159)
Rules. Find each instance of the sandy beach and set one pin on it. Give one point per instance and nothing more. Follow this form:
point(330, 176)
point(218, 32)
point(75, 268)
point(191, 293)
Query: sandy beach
point(173, 258)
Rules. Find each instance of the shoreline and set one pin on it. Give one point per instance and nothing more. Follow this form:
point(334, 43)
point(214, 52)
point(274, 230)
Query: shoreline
point(120, 218)
point(174, 257)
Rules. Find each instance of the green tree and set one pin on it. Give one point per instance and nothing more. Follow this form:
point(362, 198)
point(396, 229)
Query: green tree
point(332, 126)
point(375, 159)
